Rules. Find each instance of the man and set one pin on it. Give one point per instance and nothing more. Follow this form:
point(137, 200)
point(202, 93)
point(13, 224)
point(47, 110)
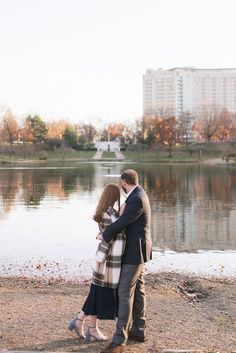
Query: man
point(132, 298)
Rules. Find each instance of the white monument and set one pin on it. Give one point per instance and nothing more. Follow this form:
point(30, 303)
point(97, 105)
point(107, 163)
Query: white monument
point(107, 145)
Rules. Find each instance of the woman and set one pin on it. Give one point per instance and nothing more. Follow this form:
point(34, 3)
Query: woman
point(102, 301)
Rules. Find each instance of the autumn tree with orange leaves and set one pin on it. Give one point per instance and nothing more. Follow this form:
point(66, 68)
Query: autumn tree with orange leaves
point(167, 133)
point(56, 129)
point(161, 130)
point(10, 128)
point(116, 130)
point(226, 127)
point(214, 124)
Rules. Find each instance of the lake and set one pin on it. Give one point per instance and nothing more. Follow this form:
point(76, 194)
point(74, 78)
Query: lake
point(46, 212)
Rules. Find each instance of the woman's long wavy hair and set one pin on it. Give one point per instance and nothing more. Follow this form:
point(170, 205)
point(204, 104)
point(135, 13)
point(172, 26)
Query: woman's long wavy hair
point(110, 195)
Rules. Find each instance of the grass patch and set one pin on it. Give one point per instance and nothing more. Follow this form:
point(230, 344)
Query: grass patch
point(11, 157)
point(51, 155)
point(108, 155)
point(177, 155)
point(74, 154)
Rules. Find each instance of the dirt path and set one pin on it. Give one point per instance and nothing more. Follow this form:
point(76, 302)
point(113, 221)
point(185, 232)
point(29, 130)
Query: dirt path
point(98, 155)
point(119, 155)
point(183, 312)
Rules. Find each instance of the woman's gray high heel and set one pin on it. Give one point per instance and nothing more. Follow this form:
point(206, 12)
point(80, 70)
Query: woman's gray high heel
point(97, 338)
point(72, 326)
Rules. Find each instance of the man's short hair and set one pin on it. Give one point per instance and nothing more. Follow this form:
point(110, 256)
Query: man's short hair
point(130, 176)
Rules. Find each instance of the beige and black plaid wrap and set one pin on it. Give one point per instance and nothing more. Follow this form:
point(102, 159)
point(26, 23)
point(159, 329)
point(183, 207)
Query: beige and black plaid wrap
point(107, 265)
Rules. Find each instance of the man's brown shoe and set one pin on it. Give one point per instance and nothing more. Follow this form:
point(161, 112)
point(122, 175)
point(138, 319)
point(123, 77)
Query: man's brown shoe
point(136, 337)
point(113, 348)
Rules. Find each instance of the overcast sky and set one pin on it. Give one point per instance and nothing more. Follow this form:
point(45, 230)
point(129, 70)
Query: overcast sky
point(79, 59)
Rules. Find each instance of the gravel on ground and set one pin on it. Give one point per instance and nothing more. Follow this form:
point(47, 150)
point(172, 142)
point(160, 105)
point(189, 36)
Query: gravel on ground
point(183, 312)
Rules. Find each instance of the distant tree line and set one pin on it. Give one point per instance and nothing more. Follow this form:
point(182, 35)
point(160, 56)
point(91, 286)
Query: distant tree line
point(210, 124)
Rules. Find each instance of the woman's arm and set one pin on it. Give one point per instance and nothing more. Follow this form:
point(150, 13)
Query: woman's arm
point(105, 222)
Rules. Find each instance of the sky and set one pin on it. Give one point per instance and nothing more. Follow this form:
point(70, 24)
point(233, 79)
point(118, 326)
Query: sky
point(84, 59)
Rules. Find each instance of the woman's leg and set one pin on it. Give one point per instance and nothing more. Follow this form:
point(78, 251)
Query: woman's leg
point(92, 320)
point(93, 330)
point(81, 315)
point(78, 324)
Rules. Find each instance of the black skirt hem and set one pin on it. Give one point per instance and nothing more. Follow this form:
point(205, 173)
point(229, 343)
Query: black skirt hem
point(101, 302)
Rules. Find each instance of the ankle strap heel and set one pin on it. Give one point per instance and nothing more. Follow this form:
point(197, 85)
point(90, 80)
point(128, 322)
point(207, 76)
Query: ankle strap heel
point(88, 335)
point(72, 326)
point(97, 337)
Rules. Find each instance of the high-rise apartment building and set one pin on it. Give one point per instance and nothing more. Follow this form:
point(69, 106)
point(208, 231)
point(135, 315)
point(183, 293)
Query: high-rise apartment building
point(186, 90)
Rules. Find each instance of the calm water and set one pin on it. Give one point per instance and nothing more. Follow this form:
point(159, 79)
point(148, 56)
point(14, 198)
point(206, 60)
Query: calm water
point(46, 212)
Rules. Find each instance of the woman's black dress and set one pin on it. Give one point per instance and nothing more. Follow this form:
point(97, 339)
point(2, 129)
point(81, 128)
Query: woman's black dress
point(102, 302)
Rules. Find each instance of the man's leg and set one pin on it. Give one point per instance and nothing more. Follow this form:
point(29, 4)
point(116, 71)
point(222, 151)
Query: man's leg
point(139, 309)
point(128, 280)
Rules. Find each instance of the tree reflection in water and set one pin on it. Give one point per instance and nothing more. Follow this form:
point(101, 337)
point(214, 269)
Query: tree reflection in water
point(193, 206)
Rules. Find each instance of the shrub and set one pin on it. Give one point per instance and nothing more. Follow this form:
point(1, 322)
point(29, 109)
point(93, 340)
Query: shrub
point(138, 147)
point(50, 144)
point(43, 155)
point(88, 146)
point(79, 147)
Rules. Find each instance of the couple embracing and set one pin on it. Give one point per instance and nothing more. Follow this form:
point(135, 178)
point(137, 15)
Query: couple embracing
point(118, 288)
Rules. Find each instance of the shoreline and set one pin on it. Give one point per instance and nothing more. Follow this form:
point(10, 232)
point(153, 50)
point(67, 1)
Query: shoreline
point(212, 162)
point(22, 282)
point(204, 264)
point(45, 282)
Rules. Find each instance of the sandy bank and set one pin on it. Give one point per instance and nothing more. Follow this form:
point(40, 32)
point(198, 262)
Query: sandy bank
point(183, 312)
point(220, 162)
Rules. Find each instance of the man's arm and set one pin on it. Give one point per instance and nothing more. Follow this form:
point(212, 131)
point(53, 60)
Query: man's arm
point(133, 210)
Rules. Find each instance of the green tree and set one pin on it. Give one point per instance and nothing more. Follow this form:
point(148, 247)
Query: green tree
point(70, 136)
point(150, 138)
point(36, 128)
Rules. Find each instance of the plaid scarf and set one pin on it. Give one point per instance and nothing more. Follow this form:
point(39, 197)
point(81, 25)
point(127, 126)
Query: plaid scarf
point(107, 266)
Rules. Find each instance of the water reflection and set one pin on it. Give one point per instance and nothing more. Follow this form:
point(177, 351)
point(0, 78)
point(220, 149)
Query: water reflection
point(32, 185)
point(193, 206)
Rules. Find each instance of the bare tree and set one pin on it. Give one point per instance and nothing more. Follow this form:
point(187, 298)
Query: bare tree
point(133, 132)
point(87, 133)
point(184, 126)
point(207, 122)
